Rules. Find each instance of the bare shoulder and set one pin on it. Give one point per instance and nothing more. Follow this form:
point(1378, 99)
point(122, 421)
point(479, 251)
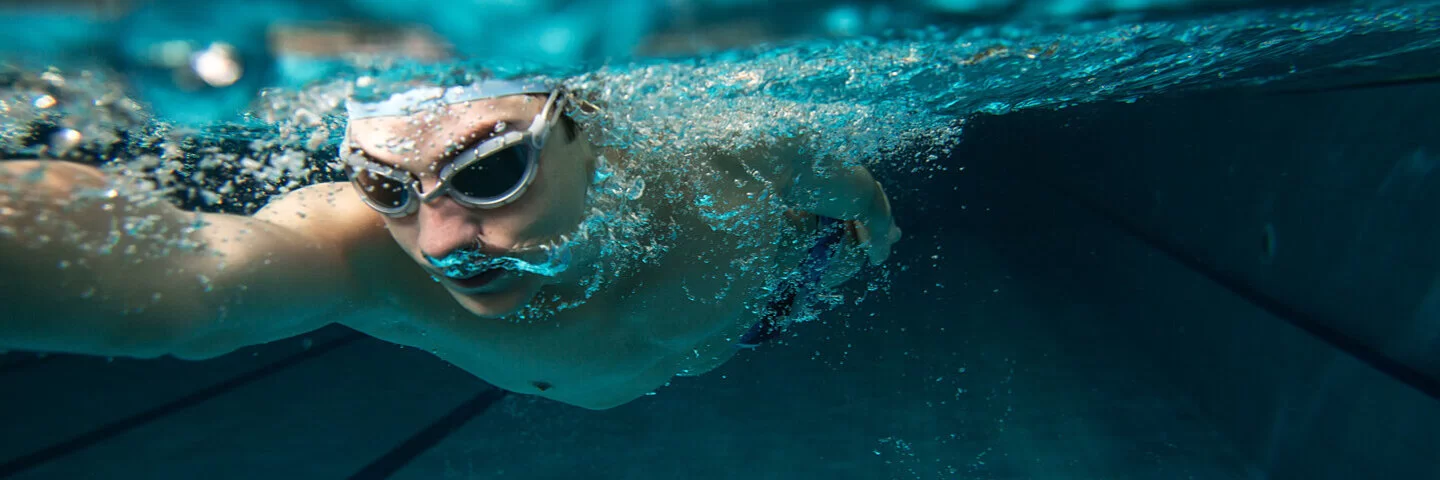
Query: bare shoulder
point(333, 215)
point(330, 213)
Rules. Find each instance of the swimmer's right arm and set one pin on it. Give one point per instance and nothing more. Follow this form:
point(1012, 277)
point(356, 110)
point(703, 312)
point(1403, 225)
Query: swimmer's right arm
point(89, 272)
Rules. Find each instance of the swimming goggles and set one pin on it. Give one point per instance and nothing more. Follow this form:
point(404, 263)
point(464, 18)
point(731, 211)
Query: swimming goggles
point(488, 175)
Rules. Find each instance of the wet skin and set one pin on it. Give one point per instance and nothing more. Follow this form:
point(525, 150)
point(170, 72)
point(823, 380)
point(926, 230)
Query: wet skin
point(319, 255)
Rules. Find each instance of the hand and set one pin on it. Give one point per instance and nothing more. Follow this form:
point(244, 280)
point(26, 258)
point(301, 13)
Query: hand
point(881, 221)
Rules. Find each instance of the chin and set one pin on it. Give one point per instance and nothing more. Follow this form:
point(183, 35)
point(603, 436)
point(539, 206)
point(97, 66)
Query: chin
point(501, 303)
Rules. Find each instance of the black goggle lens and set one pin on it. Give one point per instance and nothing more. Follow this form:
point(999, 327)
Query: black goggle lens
point(383, 191)
point(493, 176)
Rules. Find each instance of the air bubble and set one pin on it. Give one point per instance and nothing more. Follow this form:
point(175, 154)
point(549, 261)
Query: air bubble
point(64, 140)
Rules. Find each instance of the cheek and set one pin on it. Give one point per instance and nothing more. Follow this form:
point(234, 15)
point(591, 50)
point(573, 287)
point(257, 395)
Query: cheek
point(549, 206)
point(404, 231)
point(525, 217)
point(565, 189)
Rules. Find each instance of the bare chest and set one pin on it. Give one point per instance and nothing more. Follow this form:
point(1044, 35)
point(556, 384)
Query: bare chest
point(683, 314)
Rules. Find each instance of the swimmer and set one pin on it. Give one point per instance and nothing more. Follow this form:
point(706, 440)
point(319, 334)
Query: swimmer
point(459, 221)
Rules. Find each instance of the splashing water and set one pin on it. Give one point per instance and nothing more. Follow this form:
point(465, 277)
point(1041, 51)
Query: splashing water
point(470, 262)
point(606, 202)
point(895, 104)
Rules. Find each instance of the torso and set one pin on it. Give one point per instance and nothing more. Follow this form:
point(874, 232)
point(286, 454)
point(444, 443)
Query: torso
point(677, 316)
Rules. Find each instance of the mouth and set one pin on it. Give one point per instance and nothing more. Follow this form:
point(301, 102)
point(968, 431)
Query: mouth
point(484, 281)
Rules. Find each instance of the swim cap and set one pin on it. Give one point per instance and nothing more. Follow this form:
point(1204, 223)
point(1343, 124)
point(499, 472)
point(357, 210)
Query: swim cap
point(406, 102)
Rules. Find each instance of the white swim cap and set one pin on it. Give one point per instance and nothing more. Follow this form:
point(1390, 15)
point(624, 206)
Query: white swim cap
point(407, 102)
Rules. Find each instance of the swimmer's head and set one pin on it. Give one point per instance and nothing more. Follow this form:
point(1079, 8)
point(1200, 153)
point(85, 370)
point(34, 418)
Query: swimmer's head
point(481, 185)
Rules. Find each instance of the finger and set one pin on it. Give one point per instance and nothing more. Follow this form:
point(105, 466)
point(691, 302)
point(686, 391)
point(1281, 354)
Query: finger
point(878, 253)
point(862, 233)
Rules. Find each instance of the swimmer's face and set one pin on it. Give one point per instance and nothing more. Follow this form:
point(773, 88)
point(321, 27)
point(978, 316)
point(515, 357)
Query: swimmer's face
point(553, 204)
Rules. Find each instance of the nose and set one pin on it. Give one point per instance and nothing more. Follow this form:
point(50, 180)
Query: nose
point(446, 226)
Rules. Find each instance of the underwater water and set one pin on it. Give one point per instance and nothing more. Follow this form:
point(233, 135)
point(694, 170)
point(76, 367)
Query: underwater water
point(1163, 240)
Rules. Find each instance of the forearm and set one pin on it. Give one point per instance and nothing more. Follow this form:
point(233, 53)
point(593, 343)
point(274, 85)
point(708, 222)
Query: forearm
point(844, 192)
point(93, 272)
point(847, 192)
point(68, 267)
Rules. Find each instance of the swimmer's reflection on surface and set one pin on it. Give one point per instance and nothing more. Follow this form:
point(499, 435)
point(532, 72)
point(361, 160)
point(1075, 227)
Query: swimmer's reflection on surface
point(489, 193)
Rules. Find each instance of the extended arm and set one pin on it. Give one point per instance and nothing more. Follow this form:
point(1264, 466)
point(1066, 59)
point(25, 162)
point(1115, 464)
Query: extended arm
point(845, 192)
point(86, 270)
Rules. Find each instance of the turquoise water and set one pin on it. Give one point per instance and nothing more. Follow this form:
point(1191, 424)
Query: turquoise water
point(908, 78)
point(991, 350)
point(867, 96)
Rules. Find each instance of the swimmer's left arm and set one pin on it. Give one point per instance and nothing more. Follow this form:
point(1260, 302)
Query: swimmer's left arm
point(844, 191)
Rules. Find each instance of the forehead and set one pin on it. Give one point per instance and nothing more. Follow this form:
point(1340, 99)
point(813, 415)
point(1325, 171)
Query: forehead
point(430, 134)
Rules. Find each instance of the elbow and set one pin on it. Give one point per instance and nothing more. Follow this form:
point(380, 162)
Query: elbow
point(604, 399)
point(196, 354)
point(179, 345)
point(600, 406)
point(154, 334)
point(132, 339)
point(147, 339)
point(205, 348)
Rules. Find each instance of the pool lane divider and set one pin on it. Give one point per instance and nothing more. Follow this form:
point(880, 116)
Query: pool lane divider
point(397, 458)
point(118, 427)
point(1398, 370)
